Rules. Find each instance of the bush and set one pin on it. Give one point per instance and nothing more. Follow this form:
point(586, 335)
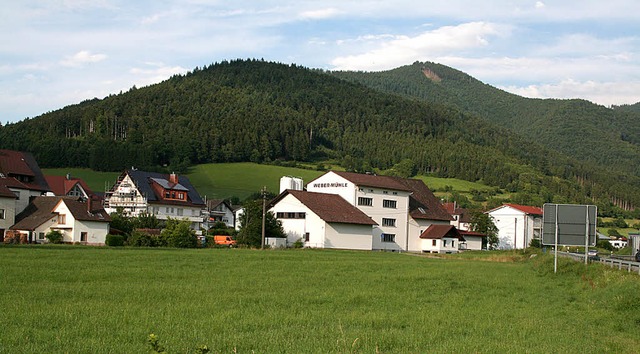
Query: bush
point(605, 245)
point(114, 240)
point(535, 243)
point(179, 234)
point(140, 239)
point(54, 236)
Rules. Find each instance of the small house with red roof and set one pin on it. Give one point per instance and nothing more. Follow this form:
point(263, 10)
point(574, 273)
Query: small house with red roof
point(461, 217)
point(441, 239)
point(517, 225)
point(402, 208)
point(322, 220)
point(68, 186)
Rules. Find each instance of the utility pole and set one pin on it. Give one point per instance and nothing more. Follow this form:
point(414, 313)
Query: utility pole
point(264, 212)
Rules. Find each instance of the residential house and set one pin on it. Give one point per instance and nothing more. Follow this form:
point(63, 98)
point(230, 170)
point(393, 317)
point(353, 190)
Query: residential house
point(20, 173)
point(77, 220)
point(7, 210)
point(461, 217)
point(441, 239)
point(68, 186)
point(163, 195)
point(472, 241)
point(220, 211)
point(402, 208)
point(322, 220)
point(517, 225)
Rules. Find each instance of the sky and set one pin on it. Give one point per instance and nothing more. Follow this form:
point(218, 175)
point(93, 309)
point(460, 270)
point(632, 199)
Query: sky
point(55, 53)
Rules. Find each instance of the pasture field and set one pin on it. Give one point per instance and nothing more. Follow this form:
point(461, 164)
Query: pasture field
point(77, 299)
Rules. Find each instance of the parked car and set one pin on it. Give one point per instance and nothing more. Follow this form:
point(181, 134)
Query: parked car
point(593, 255)
point(638, 256)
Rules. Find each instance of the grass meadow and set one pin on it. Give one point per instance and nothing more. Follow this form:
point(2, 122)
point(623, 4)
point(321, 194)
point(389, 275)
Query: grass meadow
point(78, 299)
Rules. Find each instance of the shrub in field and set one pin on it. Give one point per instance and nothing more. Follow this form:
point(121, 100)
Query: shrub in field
point(140, 239)
point(535, 243)
point(114, 240)
point(54, 236)
point(605, 244)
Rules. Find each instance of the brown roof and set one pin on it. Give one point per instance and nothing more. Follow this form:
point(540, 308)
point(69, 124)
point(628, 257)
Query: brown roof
point(22, 166)
point(40, 210)
point(331, 208)
point(367, 180)
point(440, 231)
point(423, 204)
point(61, 185)
point(471, 233)
point(5, 191)
point(523, 208)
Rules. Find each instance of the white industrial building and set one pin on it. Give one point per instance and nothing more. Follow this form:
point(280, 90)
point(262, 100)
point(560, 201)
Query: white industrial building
point(517, 225)
point(401, 208)
point(322, 220)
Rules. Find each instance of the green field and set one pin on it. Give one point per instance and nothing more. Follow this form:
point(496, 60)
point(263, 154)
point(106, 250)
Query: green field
point(77, 299)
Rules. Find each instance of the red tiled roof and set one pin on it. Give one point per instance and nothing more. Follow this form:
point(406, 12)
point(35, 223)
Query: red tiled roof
point(61, 185)
point(453, 209)
point(526, 209)
point(439, 231)
point(329, 207)
point(471, 233)
point(361, 179)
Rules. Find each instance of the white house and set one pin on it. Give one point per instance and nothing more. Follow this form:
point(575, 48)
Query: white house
point(163, 195)
point(402, 208)
point(322, 220)
point(517, 225)
point(472, 241)
point(7, 210)
point(220, 211)
point(461, 217)
point(441, 239)
point(77, 220)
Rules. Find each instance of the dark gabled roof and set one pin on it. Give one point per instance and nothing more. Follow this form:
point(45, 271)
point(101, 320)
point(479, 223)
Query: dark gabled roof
point(143, 181)
point(61, 185)
point(168, 185)
point(20, 164)
point(5, 192)
point(360, 179)
point(423, 204)
point(434, 232)
point(214, 203)
point(331, 208)
point(40, 210)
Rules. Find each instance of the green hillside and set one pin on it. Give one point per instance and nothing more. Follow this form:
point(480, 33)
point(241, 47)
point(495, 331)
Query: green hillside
point(255, 111)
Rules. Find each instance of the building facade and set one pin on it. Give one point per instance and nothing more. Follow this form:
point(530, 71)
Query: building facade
point(517, 225)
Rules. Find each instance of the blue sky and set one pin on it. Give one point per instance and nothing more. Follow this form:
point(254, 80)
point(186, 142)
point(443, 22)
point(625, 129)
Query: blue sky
point(60, 52)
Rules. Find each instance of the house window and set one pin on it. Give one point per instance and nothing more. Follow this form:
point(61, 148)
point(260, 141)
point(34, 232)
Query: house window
point(388, 222)
point(290, 215)
point(83, 237)
point(279, 215)
point(365, 201)
point(386, 203)
point(180, 211)
point(388, 237)
point(395, 193)
point(433, 243)
point(156, 210)
point(1, 214)
point(166, 210)
point(385, 192)
point(301, 215)
point(453, 243)
point(62, 219)
point(306, 237)
point(167, 195)
point(40, 235)
point(444, 243)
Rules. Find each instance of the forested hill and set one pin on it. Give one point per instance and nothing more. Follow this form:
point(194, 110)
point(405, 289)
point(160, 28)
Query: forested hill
point(259, 111)
point(578, 128)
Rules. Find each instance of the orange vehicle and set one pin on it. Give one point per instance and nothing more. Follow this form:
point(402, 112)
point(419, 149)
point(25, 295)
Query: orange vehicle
point(224, 240)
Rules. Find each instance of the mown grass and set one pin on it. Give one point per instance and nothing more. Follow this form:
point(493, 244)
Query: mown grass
point(80, 299)
point(223, 180)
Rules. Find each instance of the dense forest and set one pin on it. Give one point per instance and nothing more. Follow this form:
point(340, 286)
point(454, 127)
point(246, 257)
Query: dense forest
point(250, 110)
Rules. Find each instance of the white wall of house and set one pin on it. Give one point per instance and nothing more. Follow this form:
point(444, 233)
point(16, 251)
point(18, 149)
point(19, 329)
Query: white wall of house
point(178, 212)
point(473, 243)
point(295, 228)
point(348, 236)
point(515, 228)
point(24, 196)
point(127, 196)
point(225, 213)
point(444, 245)
point(95, 232)
point(7, 214)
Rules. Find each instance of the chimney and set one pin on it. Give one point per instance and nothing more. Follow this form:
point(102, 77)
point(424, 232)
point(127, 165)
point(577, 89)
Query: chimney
point(173, 178)
point(68, 176)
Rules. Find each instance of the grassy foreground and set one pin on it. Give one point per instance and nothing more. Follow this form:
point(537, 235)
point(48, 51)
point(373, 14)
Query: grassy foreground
point(92, 300)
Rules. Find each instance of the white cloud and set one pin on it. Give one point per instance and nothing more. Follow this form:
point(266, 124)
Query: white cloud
point(81, 58)
point(604, 93)
point(320, 14)
point(540, 5)
point(392, 51)
point(159, 72)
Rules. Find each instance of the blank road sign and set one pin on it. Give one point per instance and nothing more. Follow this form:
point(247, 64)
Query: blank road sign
point(574, 223)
